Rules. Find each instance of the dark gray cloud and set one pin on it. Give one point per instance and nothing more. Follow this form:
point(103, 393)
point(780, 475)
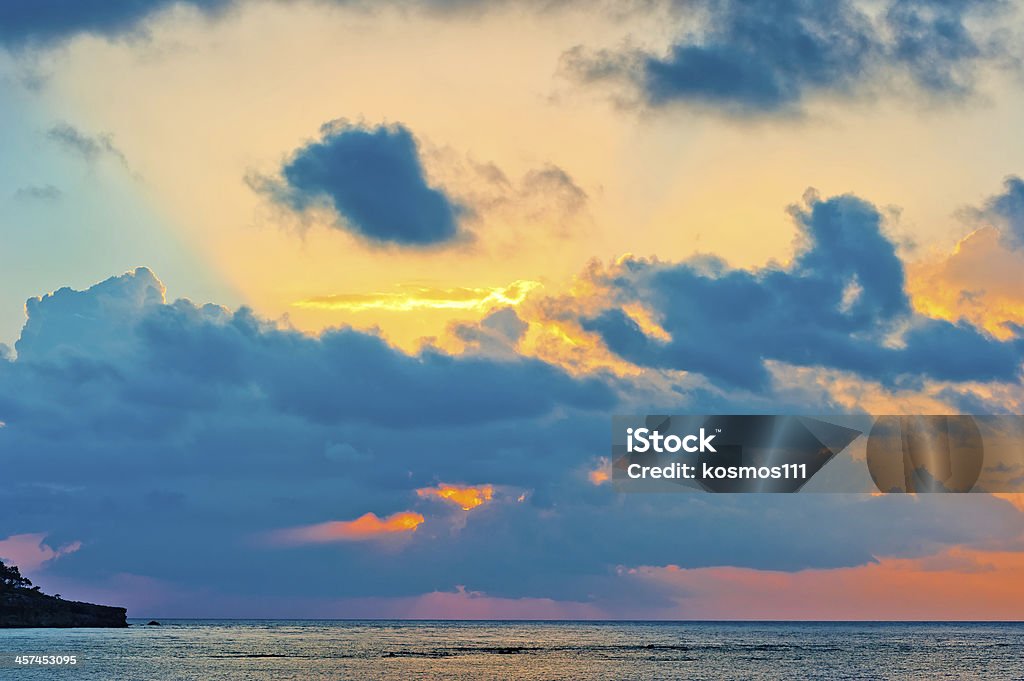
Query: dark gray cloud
point(372, 180)
point(45, 22)
point(763, 56)
point(1006, 211)
point(342, 376)
point(842, 305)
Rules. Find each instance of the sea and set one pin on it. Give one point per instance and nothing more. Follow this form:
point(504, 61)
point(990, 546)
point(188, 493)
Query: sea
point(257, 650)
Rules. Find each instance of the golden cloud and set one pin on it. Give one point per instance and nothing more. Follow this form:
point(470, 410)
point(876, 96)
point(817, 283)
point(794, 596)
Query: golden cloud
point(466, 497)
point(411, 297)
point(979, 282)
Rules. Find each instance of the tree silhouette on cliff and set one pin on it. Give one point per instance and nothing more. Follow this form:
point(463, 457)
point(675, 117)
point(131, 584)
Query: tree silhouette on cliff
point(11, 577)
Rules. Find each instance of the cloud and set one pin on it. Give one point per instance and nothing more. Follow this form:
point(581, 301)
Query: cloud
point(46, 22)
point(557, 187)
point(498, 334)
point(463, 604)
point(768, 57)
point(841, 304)
point(360, 377)
point(68, 322)
point(89, 147)
point(1006, 212)
point(180, 430)
point(544, 195)
point(601, 474)
point(46, 193)
point(372, 183)
point(544, 199)
point(29, 553)
point(466, 497)
point(148, 598)
point(987, 587)
point(980, 280)
point(363, 528)
point(149, 407)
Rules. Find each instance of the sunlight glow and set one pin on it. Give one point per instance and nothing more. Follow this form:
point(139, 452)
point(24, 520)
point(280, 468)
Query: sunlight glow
point(411, 297)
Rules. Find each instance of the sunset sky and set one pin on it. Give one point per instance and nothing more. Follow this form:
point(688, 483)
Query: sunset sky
point(330, 302)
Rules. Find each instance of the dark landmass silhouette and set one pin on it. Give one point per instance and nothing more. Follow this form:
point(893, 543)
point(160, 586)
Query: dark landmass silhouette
point(22, 605)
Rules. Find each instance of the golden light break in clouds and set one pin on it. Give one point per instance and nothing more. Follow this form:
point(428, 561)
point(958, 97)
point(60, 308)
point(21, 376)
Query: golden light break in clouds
point(466, 497)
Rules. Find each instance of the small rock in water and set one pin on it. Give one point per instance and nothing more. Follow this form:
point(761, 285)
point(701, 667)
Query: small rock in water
point(152, 623)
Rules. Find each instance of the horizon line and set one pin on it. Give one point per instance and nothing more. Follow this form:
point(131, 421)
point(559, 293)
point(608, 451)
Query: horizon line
point(584, 621)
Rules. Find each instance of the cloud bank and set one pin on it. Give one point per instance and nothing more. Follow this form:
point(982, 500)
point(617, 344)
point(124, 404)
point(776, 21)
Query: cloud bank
point(198, 428)
point(770, 57)
point(841, 304)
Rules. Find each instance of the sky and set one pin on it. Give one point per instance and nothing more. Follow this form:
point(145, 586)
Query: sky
point(321, 308)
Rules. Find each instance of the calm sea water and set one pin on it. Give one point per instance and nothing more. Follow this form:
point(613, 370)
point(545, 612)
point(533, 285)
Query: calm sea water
point(317, 650)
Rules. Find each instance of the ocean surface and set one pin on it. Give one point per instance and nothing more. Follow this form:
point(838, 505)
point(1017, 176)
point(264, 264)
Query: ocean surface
point(208, 650)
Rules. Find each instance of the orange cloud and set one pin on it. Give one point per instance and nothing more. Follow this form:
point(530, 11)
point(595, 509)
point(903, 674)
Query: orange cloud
point(365, 527)
point(957, 584)
point(28, 551)
point(1015, 498)
point(602, 473)
point(466, 497)
point(978, 282)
